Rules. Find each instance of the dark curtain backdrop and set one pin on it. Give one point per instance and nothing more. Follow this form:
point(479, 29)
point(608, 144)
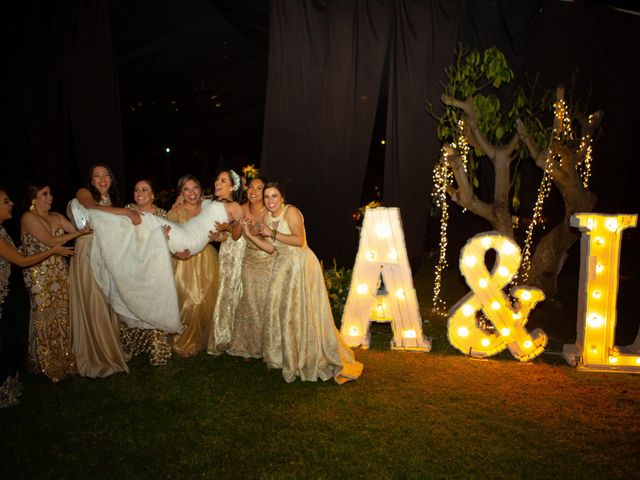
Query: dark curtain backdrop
point(325, 68)
point(62, 92)
point(553, 38)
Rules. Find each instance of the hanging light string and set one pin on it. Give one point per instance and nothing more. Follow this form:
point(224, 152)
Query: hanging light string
point(584, 166)
point(442, 181)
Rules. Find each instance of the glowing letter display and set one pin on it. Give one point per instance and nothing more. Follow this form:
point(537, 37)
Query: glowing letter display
point(486, 295)
point(598, 291)
point(382, 286)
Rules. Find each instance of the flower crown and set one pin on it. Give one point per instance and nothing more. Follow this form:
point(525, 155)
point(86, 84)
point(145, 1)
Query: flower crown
point(236, 180)
point(250, 171)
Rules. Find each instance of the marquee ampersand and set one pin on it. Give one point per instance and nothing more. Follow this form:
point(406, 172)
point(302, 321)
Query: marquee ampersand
point(487, 295)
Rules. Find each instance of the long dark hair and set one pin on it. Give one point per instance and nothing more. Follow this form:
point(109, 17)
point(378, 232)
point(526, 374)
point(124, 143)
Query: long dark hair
point(113, 193)
point(32, 191)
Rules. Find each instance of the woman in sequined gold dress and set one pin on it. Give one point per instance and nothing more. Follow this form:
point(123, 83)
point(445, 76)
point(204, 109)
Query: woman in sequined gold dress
point(299, 335)
point(136, 340)
point(9, 385)
point(48, 284)
point(256, 277)
point(228, 189)
point(196, 277)
point(95, 328)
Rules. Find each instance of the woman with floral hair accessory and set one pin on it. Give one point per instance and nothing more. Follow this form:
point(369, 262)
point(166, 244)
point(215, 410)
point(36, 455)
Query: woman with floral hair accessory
point(227, 189)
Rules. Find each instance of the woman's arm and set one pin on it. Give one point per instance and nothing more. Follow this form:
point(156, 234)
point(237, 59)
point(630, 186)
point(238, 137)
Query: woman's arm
point(260, 242)
point(84, 197)
point(296, 224)
point(30, 223)
point(13, 255)
point(235, 214)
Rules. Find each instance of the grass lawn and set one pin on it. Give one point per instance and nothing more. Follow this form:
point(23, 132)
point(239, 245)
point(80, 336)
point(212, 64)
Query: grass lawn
point(411, 415)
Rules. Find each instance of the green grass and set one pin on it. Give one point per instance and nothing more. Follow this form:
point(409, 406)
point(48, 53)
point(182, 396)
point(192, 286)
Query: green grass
point(411, 415)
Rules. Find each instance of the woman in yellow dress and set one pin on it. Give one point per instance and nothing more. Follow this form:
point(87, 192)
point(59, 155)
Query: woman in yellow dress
point(196, 277)
point(227, 189)
point(135, 340)
point(48, 284)
point(95, 328)
point(256, 277)
point(299, 334)
point(10, 387)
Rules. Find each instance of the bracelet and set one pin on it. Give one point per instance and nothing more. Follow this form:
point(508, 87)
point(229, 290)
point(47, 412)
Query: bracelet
point(273, 235)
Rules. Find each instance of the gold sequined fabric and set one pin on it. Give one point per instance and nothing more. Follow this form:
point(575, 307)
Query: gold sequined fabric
point(50, 330)
point(5, 269)
point(256, 277)
point(197, 286)
point(229, 293)
point(299, 334)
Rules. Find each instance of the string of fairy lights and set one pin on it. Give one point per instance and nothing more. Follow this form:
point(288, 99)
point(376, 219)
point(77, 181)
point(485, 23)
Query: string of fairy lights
point(443, 178)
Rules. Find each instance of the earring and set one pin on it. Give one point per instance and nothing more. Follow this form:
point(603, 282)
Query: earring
point(33, 206)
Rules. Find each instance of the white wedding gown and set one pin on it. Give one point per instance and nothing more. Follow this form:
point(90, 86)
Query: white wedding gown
point(132, 263)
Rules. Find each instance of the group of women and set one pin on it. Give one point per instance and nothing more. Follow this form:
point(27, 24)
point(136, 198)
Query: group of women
point(260, 295)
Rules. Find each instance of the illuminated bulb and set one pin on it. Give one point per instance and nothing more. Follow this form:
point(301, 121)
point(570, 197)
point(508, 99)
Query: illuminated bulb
point(591, 224)
point(495, 305)
point(485, 342)
point(400, 294)
point(393, 255)
point(409, 334)
point(594, 349)
point(525, 295)
point(362, 289)
point(503, 271)
point(485, 242)
point(599, 268)
point(470, 261)
point(353, 331)
point(468, 310)
point(508, 248)
point(483, 283)
point(371, 255)
point(599, 241)
point(383, 230)
point(516, 315)
point(505, 332)
point(595, 321)
point(464, 332)
point(380, 310)
point(596, 294)
point(638, 360)
point(611, 224)
point(528, 344)
point(613, 359)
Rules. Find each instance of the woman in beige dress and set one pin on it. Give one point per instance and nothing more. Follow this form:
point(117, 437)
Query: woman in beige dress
point(299, 334)
point(10, 387)
point(227, 189)
point(135, 340)
point(48, 284)
point(196, 277)
point(256, 276)
point(95, 328)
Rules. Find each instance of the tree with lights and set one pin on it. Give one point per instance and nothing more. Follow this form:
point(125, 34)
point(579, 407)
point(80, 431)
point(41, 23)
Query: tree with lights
point(473, 126)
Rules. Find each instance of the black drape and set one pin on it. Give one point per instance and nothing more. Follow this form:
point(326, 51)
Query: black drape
point(62, 92)
point(325, 67)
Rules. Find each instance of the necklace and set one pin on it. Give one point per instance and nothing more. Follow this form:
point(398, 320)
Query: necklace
point(256, 214)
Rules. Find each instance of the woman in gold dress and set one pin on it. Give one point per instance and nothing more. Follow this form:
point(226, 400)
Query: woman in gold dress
point(137, 340)
point(228, 189)
point(95, 328)
point(196, 277)
point(256, 277)
point(48, 284)
point(10, 387)
point(299, 334)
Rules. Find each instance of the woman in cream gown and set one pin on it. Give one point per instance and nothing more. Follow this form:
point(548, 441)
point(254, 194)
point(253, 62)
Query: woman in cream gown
point(48, 285)
point(299, 334)
point(95, 328)
point(256, 278)
point(228, 190)
point(196, 277)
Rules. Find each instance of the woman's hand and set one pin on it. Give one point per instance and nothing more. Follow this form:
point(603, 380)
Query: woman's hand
point(223, 227)
point(178, 203)
point(86, 229)
point(165, 230)
point(62, 250)
point(184, 255)
point(134, 216)
point(215, 236)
